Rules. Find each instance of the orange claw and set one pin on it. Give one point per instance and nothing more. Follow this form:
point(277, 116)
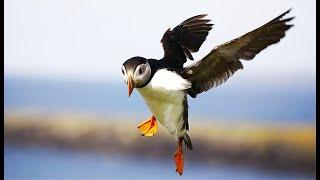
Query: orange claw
point(178, 157)
point(149, 127)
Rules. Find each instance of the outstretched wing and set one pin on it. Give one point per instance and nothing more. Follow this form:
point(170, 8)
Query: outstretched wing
point(185, 38)
point(224, 60)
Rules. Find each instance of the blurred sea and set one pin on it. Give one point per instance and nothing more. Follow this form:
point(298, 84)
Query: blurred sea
point(34, 164)
point(283, 103)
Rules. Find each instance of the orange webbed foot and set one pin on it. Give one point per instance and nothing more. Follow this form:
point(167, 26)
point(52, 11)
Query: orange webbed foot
point(178, 157)
point(149, 127)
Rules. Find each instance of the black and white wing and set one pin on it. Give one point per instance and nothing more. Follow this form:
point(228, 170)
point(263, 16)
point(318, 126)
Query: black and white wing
point(185, 38)
point(224, 60)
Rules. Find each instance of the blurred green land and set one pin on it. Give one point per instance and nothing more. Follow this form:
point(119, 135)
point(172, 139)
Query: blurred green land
point(271, 147)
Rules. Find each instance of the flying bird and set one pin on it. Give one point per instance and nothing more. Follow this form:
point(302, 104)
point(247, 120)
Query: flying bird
point(165, 84)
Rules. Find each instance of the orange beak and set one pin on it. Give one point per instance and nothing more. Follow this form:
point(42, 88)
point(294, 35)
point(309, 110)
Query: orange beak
point(130, 85)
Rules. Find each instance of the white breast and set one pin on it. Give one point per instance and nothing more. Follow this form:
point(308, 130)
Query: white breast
point(164, 96)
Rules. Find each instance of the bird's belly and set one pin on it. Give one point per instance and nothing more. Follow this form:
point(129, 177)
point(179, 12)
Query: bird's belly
point(167, 107)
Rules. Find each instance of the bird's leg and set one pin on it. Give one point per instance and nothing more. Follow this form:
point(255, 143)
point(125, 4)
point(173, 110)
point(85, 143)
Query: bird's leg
point(149, 127)
point(178, 157)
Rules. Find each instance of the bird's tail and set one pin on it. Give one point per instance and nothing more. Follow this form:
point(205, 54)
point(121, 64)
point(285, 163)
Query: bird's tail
point(187, 141)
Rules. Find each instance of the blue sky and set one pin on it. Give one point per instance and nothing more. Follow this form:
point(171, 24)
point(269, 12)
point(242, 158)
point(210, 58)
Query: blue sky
point(89, 40)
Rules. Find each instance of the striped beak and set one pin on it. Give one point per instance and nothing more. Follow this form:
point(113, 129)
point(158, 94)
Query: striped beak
point(130, 85)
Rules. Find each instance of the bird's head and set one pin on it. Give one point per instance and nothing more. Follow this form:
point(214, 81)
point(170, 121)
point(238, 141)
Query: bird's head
point(136, 72)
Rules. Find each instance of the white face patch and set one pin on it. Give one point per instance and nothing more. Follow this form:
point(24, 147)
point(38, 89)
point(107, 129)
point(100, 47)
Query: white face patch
point(124, 74)
point(142, 74)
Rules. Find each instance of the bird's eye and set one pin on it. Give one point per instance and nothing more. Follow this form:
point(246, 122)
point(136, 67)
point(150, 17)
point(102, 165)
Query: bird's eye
point(141, 70)
point(122, 71)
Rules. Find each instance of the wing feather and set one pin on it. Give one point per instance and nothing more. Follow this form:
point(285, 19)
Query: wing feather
point(224, 60)
point(181, 41)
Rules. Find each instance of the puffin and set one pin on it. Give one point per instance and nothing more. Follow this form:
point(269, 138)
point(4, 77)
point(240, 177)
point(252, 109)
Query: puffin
point(165, 84)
